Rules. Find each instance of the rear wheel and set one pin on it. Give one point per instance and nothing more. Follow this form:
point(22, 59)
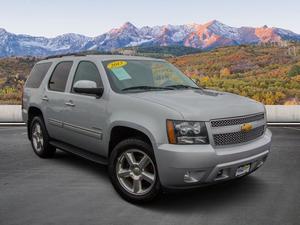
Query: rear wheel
point(40, 139)
point(133, 172)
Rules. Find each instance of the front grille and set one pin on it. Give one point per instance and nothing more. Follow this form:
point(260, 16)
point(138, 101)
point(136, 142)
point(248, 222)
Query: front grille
point(238, 137)
point(235, 121)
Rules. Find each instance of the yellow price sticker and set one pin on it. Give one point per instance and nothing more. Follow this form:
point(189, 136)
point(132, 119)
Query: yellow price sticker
point(116, 64)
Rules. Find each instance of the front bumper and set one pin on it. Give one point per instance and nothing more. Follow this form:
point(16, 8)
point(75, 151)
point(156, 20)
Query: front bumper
point(183, 166)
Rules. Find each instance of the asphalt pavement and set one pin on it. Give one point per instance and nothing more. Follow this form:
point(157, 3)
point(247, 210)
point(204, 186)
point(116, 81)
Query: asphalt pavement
point(70, 190)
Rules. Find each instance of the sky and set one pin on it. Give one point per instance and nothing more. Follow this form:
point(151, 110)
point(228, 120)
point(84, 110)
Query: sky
point(93, 17)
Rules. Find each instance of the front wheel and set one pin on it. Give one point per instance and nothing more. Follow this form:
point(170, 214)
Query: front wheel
point(133, 171)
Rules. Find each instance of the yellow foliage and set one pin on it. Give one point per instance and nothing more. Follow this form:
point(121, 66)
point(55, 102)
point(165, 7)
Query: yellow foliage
point(296, 78)
point(204, 81)
point(225, 72)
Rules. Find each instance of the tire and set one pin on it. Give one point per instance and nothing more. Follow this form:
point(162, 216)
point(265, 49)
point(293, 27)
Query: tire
point(136, 180)
point(40, 139)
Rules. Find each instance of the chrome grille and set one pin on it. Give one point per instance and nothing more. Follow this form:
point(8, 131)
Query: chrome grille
point(235, 121)
point(238, 137)
point(228, 131)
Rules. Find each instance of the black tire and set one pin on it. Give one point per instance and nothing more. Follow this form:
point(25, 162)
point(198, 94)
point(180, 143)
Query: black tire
point(144, 148)
point(45, 150)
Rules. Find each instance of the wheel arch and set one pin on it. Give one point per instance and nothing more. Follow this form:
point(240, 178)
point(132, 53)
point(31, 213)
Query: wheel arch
point(32, 112)
point(128, 130)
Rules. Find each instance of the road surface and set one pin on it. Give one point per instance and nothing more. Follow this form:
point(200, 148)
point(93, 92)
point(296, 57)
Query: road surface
point(70, 190)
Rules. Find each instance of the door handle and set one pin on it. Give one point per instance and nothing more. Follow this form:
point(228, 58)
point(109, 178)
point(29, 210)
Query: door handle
point(45, 98)
point(69, 103)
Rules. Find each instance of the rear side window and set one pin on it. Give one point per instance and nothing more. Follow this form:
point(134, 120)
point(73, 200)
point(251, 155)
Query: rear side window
point(59, 76)
point(37, 75)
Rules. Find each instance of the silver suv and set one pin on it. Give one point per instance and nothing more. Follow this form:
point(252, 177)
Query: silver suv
point(151, 124)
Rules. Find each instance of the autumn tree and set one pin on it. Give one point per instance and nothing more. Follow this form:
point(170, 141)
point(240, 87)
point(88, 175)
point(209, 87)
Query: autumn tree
point(225, 72)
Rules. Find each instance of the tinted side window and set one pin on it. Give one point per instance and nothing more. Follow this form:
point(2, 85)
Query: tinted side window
point(87, 71)
point(37, 75)
point(59, 76)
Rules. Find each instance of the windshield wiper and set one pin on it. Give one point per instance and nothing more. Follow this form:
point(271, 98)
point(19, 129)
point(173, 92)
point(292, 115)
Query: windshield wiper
point(147, 88)
point(182, 86)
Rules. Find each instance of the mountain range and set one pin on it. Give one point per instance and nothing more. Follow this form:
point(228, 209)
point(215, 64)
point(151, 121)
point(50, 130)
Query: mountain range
point(202, 36)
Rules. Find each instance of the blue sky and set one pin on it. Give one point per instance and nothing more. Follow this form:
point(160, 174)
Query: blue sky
point(93, 17)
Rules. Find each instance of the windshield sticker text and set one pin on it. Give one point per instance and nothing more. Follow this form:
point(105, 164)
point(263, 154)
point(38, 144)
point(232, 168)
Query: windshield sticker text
point(116, 64)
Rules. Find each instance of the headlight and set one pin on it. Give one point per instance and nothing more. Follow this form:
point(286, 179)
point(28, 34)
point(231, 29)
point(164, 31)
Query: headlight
point(186, 132)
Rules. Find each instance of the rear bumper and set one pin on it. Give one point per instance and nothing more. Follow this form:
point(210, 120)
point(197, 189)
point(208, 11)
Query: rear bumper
point(183, 166)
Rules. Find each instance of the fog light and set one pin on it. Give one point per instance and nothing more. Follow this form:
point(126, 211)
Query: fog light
point(193, 176)
point(187, 178)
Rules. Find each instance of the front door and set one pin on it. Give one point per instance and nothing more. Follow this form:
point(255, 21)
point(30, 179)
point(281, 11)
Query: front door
point(84, 115)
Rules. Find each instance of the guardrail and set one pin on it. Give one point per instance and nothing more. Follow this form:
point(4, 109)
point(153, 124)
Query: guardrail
point(275, 114)
point(11, 114)
point(283, 113)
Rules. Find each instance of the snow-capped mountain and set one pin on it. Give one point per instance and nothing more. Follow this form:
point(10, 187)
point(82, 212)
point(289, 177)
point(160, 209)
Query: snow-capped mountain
point(204, 36)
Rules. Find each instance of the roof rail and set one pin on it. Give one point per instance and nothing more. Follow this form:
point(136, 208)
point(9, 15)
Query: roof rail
point(62, 55)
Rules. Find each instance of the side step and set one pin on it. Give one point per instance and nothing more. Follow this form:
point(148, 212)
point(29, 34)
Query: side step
point(80, 152)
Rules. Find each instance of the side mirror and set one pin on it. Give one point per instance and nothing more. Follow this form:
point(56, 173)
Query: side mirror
point(88, 87)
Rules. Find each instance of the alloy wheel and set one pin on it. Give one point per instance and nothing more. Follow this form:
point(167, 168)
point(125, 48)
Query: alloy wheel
point(37, 137)
point(136, 172)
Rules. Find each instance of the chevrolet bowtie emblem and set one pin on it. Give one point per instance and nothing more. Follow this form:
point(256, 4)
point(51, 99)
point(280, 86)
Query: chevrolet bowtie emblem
point(246, 127)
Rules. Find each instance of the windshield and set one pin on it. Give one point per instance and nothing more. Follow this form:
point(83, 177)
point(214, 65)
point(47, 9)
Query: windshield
point(145, 75)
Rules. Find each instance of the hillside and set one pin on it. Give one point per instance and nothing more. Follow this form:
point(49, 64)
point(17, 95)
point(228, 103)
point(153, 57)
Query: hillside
point(13, 73)
point(269, 74)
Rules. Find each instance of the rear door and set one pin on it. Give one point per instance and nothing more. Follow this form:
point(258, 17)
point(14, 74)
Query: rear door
point(84, 115)
point(54, 99)
point(31, 93)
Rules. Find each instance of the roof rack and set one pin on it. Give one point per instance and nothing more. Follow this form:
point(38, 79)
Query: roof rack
point(62, 55)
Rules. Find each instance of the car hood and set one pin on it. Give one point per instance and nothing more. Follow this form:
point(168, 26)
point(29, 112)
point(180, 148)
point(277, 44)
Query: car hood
point(203, 105)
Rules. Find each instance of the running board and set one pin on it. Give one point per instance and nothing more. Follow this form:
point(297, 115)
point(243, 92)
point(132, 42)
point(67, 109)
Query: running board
point(80, 152)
